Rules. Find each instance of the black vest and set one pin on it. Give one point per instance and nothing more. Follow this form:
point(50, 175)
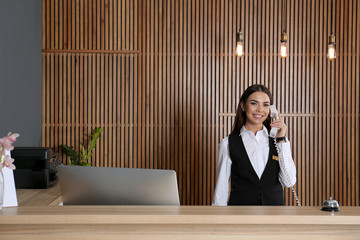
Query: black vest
point(246, 187)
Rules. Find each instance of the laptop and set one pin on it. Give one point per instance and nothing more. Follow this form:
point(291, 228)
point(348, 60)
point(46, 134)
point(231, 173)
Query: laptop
point(81, 185)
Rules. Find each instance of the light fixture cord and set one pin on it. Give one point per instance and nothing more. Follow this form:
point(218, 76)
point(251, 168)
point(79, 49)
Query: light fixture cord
point(331, 17)
point(240, 17)
point(283, 15)
point(285, 10)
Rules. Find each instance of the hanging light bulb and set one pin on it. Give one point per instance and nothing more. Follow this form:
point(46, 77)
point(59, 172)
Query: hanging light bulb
point(283, 47)
point(239, 51)
point(283, 40)
point(331, 52)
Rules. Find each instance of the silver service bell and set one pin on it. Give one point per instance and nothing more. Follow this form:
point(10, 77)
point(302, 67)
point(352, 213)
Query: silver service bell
point(330, 206)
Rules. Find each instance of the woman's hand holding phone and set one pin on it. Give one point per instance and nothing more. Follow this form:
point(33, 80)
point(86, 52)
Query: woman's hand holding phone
point(280, 124)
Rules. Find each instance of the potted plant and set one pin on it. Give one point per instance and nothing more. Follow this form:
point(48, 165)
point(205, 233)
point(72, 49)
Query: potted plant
point(80, 158)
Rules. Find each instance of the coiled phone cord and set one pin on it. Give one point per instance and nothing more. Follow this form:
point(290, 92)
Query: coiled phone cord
point(281, 160)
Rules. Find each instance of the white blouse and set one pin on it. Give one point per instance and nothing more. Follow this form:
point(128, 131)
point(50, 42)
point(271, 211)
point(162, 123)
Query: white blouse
point(257, 148)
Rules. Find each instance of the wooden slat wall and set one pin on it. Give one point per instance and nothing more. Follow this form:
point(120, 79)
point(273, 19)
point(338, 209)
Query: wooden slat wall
point(160, 77)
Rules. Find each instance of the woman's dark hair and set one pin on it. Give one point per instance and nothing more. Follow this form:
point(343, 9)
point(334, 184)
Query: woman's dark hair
point(240, 117)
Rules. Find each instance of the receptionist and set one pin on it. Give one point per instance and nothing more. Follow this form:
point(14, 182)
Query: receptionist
point(248, 171)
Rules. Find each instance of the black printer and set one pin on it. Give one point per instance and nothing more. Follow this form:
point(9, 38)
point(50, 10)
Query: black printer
point(34, 167)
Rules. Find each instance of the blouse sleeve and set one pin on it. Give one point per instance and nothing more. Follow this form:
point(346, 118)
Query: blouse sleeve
point(223, 175)
point(288, 168)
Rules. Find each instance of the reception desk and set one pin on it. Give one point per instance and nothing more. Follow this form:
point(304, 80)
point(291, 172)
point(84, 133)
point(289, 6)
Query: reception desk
point(185, 222)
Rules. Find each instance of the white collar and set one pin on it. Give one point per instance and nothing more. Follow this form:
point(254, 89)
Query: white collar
point(263, 131)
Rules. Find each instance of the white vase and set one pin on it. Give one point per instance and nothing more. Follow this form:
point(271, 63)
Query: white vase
point(2, 188)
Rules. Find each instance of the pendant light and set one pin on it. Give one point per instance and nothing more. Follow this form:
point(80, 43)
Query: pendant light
point(331, 51)
point(239, 50)
point(283, 41)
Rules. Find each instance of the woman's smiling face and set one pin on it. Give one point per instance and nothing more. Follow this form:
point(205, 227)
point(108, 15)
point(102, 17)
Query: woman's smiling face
point(257, 109)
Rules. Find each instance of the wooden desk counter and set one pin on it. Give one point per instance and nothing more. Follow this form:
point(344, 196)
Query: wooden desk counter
point(185, 222)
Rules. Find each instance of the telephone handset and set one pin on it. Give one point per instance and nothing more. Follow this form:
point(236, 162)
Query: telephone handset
point(275, 115)
point(273, 132)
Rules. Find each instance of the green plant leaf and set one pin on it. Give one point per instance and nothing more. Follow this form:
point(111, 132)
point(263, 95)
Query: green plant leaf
point(94, 137)
point(83, 153)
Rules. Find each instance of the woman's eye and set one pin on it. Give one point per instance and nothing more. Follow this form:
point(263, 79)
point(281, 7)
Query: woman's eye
point(253, 103)
point(266, 105)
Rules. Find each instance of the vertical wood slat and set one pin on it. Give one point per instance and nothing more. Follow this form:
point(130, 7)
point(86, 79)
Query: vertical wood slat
point(160, 105)
point(357, 93)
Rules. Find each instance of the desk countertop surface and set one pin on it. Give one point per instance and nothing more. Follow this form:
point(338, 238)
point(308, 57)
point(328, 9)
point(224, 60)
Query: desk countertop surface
point(178, 215)
point(184, 222)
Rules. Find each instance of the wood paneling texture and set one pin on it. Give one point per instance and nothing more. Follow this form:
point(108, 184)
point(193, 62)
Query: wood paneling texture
point(160, 77)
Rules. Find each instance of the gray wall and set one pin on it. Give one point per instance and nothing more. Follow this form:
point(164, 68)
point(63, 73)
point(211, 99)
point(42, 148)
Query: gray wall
point(20, 70)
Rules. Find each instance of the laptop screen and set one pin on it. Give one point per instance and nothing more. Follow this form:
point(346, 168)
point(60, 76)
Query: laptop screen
point(82, 185)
